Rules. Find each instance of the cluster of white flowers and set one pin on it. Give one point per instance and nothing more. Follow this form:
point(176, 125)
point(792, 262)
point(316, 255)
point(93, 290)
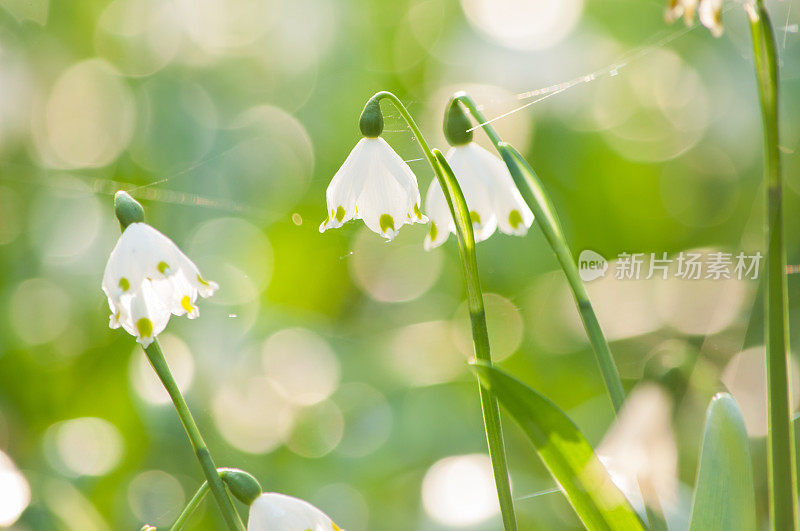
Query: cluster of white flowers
point(148, 279)
point(375, 184)
point(708, 11)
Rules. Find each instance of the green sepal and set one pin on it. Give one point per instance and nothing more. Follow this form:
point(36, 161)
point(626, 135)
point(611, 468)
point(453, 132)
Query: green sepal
point(371, 121)
point(456, 124)
point(244, 486)
point(128, 209)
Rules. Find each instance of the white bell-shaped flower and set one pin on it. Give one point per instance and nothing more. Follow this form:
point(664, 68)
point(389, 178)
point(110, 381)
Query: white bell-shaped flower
point(278, 512)
point(376, 185)
point(147, 279)
point(710, 15)
point(489, 190)
point(681, 8)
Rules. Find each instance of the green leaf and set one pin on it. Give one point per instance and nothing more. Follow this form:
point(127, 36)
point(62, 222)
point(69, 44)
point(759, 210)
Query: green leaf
point(564, 451)
point(724, 496)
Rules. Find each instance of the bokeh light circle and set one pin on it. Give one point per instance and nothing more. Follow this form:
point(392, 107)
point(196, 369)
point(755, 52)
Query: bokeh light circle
point(15, 492)
point(367, 419)
point(524, 24)
point(424, 353)
point(655, 112)
point(219, 26)
point(251, 415)
point(301, 366)
point(40, 311)
point(398, 272)
point(86, 446)
point(459, 491)
point(139, 36)
point(88, 118)
point(156, 497)
point(317, 430)
point(503, 321)
point(65, 219)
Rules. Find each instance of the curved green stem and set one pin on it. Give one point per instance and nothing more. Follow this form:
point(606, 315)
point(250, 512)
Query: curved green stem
point(191, 507)
point(533, 193)
point(159, 364)
point(781, 457)
point(480, 335)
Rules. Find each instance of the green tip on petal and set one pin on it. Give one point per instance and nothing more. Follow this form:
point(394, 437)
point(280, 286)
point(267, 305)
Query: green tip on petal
point(456, 124)
point(128, 209)
point(386, 222)
point(514, 218)
point(145, 327)
point(434, 231)
point(241, 484)
point(371, 121)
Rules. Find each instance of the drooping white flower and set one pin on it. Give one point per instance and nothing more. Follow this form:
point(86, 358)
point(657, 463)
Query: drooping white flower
point(710, 15)
point(376, 185)
point(492, 198)
point(147, 279)
point(278, 512)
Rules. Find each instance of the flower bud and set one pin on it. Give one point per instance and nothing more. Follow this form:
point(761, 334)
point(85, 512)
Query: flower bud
point(241, 484)
point(371, 121)
point(128, 209)
point(456, 125)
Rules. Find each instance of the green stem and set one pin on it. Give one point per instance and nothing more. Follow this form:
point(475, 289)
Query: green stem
point(190, 508)
point(533, 193)
point(781, 458)
point(159, 364)
point(480, 336)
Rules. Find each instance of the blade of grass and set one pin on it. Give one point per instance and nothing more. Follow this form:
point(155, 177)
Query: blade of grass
point(565, 453)
point(724, 494)
point(780, 439)
point(532, 192)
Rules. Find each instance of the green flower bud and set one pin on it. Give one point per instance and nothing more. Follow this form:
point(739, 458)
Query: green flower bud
point(456, 124)
point(371, 121)
point(128, 209)
point(241, 484)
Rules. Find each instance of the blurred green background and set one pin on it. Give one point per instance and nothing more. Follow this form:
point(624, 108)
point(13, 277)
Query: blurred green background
point(334, 367)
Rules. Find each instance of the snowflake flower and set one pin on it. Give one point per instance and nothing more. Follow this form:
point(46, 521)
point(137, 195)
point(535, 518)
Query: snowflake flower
point(147, 279)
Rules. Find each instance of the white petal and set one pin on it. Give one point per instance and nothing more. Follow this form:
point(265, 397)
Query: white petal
point(689, 10)
point(277, 512)
point(439, 213)
point(512, 214)
point(471, 171)
point(390, 194)
point(205, 288)
point(148, 315)
point(345, 187)
point(710, 14)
